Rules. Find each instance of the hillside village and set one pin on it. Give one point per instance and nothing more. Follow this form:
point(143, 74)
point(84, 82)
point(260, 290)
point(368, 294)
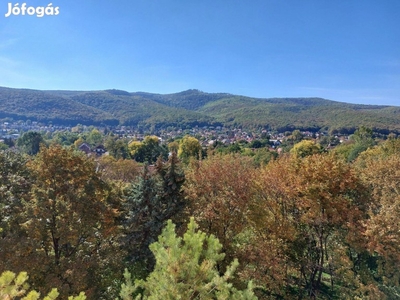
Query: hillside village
point(207, 135)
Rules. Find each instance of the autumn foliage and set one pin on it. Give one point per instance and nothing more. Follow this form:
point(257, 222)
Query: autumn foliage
point(310, 224)
point(303, 226)
point(66, 225)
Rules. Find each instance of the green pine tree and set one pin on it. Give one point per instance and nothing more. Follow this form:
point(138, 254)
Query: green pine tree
point(151, 201)
point(186, 269)
point(173, 177)
point(143, 221)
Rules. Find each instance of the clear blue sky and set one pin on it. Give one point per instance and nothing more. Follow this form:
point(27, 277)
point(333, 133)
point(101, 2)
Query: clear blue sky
point(344, 50)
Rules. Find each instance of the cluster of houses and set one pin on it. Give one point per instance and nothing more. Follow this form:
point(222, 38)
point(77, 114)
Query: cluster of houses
point(12, 130)
point(207, 135)
point(98, 150)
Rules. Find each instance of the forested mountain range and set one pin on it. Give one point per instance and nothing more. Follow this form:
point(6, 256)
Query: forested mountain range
point(191, 108)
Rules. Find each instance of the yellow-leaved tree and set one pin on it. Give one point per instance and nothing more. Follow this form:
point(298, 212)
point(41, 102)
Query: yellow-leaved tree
point(13, 286)
point(379, 168)
point(68, 237)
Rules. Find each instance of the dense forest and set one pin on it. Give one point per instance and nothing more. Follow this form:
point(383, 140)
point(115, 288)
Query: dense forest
point(193, 108)
point(175, 221)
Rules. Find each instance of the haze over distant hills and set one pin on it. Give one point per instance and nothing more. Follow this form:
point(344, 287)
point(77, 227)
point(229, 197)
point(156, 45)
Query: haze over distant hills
point(191, 108)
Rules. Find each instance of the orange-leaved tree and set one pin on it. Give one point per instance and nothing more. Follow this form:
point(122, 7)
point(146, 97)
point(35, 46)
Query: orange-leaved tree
point(307, 218)
point(379, 168)
point(219, 193)
point(69, 226)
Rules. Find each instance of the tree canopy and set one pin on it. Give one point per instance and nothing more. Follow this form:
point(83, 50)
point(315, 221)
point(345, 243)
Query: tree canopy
point(190, 263)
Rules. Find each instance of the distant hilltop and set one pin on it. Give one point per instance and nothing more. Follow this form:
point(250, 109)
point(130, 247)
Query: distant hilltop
point(193, 108)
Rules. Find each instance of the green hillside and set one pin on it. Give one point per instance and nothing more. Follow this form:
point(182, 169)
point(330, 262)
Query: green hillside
point(133, 109)
point(41, 106)
point(190, 99)
point(193, 107)
point(302, 113)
